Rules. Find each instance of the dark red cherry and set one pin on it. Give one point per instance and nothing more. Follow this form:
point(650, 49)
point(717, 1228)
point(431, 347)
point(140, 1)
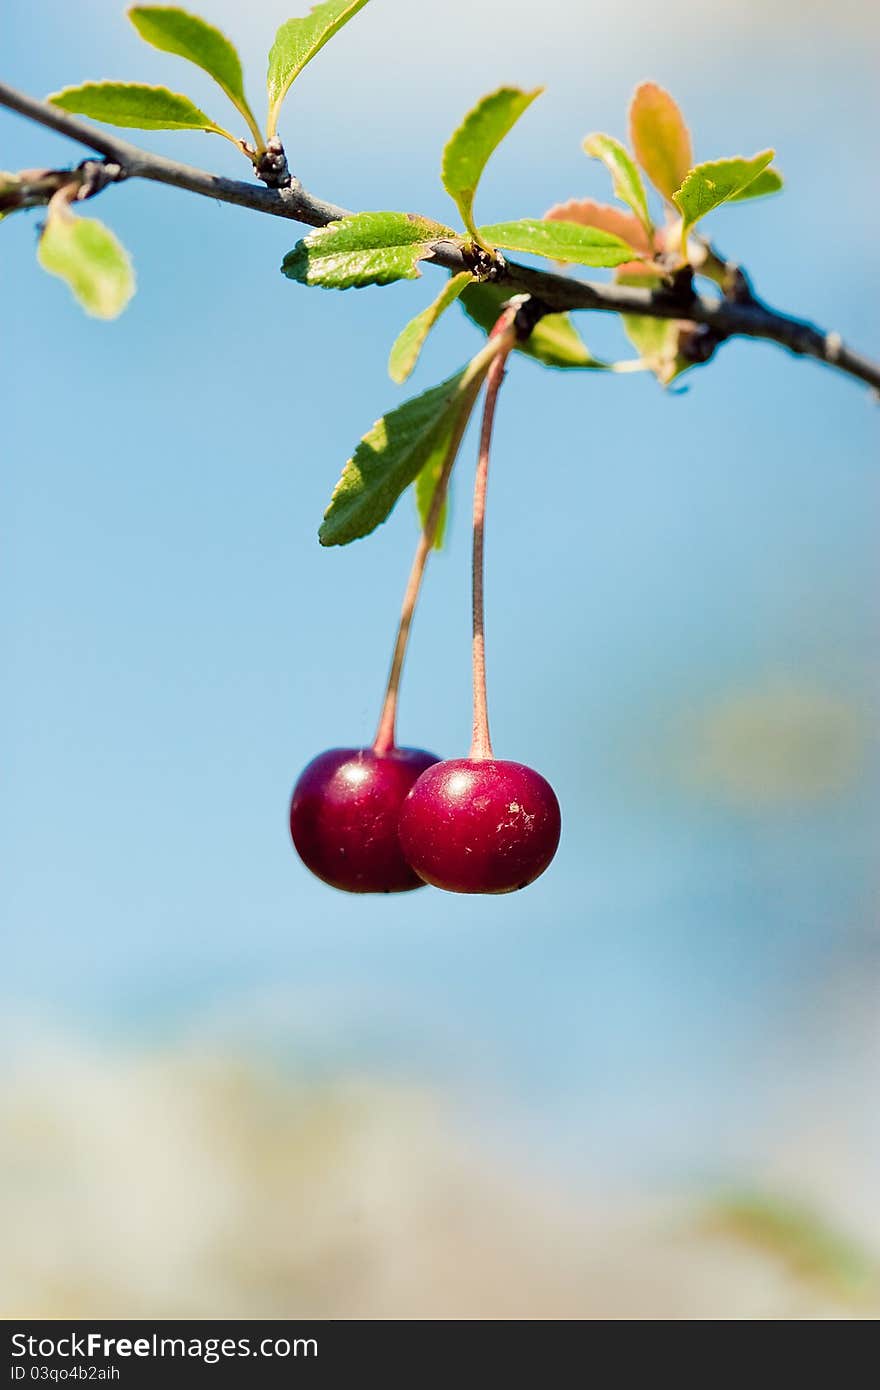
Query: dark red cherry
point(344, 813)
point(480, 826)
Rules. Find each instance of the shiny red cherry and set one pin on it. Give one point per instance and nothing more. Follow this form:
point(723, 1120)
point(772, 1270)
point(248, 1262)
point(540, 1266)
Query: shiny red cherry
point(480, 825)
point(344, 813)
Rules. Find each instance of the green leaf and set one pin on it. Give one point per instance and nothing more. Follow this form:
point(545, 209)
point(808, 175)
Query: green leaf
point(660, 138)
point(188, 36)
point(135, 104)
point(655, 340)
point(297, 42)
point(468, 150)
point(560, 241)
point(627, 180)
point(86, 254)
point(769, 181)
point(554, 340)
point(425, 486)
point(709, 185)
point(409, 343)
point(370, 248)
point(393, 453)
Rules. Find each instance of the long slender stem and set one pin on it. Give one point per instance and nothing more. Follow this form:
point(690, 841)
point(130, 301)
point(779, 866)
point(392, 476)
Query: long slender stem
point(551, 293)
point(386, 732)
point(474, 375)
point(481, 743)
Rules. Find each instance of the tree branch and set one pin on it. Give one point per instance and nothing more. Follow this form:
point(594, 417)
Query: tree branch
point(554, 293)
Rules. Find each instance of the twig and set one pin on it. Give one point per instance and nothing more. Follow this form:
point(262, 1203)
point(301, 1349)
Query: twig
point(554, 293)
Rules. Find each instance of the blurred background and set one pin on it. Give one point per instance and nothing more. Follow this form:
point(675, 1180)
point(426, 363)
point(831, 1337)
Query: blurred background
point(646, 1086)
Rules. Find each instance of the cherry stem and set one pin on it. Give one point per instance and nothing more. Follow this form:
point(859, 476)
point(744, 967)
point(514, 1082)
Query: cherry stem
point(481, 743)
point(501, 340)
point(384, 741)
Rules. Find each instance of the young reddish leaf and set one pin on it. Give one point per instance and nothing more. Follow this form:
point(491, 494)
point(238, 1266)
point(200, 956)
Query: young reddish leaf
point(608, 219)
point(660, 138)
point(468, 149)
point(589, 213)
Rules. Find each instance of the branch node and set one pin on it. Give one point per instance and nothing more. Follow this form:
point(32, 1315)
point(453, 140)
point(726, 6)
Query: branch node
point(95, 175)
point(271, 166)
point(485, 266)
point(698, 342)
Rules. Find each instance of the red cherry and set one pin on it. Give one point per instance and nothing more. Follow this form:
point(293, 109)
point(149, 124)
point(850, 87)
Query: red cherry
point(480, 825)
point(344, 813)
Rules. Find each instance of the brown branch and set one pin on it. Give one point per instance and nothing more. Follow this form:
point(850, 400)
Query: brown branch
point(726, 318)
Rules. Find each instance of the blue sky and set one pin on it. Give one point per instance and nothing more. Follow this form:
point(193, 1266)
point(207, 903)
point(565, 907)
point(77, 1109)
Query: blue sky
point(177, 645)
